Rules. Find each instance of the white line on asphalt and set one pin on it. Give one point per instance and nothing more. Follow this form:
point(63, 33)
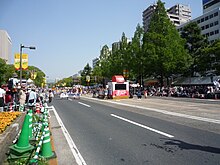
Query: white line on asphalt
point(74, 149)
point(143, 126)
point(84, 104)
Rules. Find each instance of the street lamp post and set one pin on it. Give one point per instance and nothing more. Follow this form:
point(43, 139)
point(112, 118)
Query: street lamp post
point(21, 47)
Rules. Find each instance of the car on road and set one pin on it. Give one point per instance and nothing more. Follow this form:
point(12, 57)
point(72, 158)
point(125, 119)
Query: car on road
point(64, 95)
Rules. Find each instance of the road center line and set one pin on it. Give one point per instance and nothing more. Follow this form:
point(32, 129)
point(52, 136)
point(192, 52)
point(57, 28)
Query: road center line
point(143, 126)
point(84, 104)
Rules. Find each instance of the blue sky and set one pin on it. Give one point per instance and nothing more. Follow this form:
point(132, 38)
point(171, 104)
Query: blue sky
point(68, 34)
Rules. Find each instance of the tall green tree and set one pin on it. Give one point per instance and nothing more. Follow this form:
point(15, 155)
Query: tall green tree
point(40, 75)
point(3, 70)
point(195, 43)
point(87, 71)
point(136, 54)
point(209, 61)
point(164, 52)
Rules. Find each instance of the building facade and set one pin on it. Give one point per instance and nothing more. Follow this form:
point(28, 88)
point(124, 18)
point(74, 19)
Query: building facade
point(5, 46)
point(209, 5)
point(178, 14)
point(209, 21)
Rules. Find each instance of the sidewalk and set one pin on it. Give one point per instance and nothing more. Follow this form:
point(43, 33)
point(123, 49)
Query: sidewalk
point(62, 149)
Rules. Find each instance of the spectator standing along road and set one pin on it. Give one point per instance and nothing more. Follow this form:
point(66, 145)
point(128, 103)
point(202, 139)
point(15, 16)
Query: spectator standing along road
point(32, 98)
point(2, 94)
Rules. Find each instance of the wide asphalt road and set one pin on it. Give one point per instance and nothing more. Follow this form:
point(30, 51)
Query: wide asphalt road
point(114, 135)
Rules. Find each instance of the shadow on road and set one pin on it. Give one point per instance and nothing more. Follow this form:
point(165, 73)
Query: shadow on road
point(187, 146)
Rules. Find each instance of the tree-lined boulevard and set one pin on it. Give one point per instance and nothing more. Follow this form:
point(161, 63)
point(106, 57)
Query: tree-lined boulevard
point(142, 133)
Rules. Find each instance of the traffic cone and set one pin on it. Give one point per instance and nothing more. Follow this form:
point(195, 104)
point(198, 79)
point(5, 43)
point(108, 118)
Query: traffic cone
point(30, 113)
point(46, 150)
point(22, 147)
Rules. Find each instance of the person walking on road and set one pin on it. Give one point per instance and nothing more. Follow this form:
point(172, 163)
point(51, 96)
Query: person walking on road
point(50, 96)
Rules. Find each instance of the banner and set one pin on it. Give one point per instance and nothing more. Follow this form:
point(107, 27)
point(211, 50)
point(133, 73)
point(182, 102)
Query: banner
point(17, 61)
point(24, 61)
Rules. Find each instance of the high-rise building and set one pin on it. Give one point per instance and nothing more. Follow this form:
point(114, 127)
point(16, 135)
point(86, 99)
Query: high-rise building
point(209, 22)
point(178, 14)
point(5, 46)
point(209, 5)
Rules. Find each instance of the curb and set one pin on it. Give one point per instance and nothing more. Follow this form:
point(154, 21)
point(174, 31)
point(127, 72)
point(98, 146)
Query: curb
point(7, 137)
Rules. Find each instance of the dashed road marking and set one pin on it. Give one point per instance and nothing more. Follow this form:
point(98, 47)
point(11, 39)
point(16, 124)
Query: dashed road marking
point(143, 126)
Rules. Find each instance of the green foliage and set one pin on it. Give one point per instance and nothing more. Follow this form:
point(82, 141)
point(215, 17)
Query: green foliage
point(65, 82)
point(7, 70)
point(209, 61)
point(39, 80)
point(164, 53)
point(195, 43)
point(3, 70)
point(87, 71)
point(161, 52)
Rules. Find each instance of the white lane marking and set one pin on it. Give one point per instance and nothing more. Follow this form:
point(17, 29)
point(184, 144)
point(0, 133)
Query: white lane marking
point(74, 149)
point(143, 126)
point(84, 104)
point(167, 112)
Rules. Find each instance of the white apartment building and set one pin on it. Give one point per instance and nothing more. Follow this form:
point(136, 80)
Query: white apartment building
point(5, 46)
point(178, 14)
point(209, 22)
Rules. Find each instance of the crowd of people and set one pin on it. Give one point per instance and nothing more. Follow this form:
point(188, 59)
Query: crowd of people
point(203, 92)
point(16, 96)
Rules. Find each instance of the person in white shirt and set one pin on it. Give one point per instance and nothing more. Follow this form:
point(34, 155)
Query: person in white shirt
point(2, 95)
point(32, 98)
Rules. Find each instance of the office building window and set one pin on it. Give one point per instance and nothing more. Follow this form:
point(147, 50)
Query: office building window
point(202, 27)
point(211, 24)
point(215, 14)
point(207, 34)
point(211, 33)
point(211, 16)
point(202, 20)
point(198, 21)
point(207, 26)
point(216, 31)
point(206, 18)
point(216, 23)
